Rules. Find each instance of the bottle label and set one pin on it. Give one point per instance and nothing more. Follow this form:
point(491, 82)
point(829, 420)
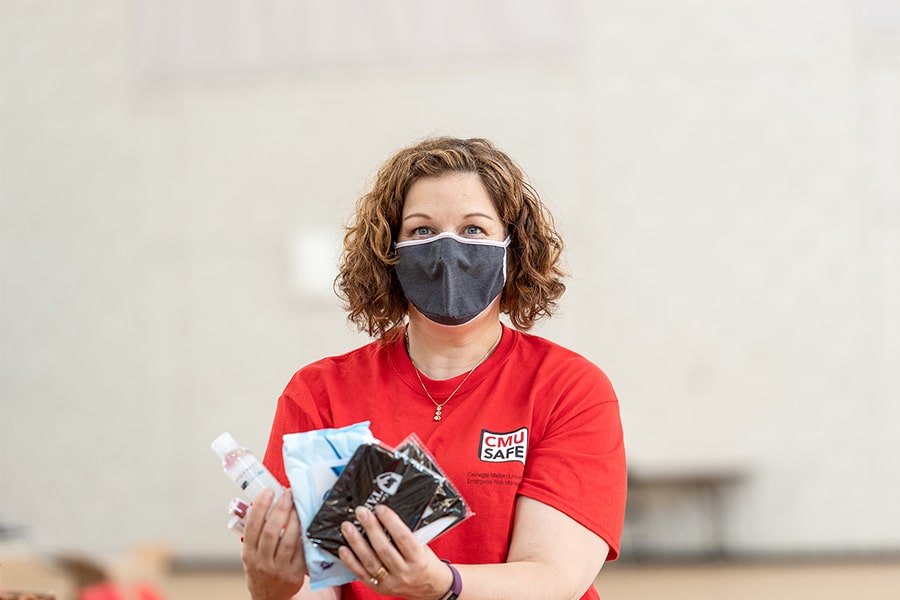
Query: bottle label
point(252, 477)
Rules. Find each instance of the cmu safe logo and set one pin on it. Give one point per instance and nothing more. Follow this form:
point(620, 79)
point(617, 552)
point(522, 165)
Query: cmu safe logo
point(503, 447)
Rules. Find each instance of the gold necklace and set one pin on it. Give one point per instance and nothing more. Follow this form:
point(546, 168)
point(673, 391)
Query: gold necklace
point(439, 406)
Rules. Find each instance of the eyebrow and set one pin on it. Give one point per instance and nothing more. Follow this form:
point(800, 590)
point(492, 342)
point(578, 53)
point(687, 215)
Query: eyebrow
point(468, 216)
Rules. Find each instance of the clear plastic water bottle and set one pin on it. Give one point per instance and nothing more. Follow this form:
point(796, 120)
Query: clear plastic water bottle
point(244, 468)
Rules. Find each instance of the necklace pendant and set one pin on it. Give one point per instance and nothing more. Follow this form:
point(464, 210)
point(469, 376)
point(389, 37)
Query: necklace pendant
point(437, 413)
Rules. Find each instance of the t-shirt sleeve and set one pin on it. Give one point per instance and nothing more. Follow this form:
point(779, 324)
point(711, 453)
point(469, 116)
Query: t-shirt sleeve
point(577, 466)
point(296, 411)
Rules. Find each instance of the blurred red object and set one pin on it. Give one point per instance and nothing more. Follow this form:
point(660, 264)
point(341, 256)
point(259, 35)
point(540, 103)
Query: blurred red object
point(111, 591)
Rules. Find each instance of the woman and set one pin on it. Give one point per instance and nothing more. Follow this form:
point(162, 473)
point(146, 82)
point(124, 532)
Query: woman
point(450, 237)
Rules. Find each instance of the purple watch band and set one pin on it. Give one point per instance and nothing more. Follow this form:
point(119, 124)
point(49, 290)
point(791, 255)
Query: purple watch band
point(456, 586)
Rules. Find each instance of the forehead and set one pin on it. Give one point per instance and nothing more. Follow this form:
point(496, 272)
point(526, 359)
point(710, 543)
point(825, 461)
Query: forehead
point(454, 192)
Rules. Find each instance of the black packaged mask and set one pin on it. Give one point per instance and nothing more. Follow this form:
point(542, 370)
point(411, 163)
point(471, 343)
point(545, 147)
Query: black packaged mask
point(451, 279)
point(374, 475)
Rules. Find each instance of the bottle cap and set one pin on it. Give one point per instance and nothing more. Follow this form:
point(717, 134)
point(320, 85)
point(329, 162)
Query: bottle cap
point(224, 444)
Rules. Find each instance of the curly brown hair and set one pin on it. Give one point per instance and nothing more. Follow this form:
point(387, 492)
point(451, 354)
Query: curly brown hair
point(367, 283)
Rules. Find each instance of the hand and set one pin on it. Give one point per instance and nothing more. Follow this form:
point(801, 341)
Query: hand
point(411, 570)
point(273, 548)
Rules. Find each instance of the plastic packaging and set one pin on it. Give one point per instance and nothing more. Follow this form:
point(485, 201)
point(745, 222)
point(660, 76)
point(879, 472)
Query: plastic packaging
point(447, 508)
point(374, 476)
point(313, 460)
point(406, 479)
point(237, 525)
point(238, 507)
point(244, 468)
point(238, 510)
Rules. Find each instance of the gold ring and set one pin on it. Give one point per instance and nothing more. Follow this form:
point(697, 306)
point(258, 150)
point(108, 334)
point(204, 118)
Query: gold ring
point(379, 576)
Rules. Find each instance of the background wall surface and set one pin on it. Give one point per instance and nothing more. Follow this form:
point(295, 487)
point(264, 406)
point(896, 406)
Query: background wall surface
point(174, 177)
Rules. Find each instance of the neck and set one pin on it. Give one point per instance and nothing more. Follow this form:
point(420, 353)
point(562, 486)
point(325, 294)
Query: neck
point(442, 352)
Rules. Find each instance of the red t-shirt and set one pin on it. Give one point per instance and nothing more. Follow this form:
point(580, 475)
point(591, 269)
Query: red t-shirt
point(534, 419)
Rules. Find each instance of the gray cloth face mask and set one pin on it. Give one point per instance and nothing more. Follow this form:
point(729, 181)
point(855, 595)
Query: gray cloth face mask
point(451, 279)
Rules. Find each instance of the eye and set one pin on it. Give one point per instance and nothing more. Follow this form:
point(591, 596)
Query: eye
point(421, 231)
point(473, 230)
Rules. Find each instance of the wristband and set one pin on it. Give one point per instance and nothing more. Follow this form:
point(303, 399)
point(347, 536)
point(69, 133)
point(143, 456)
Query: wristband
point(456, 586)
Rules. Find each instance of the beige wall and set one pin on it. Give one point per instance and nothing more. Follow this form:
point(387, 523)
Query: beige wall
point(725, 174)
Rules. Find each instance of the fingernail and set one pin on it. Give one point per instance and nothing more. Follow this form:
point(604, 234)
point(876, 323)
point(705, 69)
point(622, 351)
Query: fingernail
point(362, 513)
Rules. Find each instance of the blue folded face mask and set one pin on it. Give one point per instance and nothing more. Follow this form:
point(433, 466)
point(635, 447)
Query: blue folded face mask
point(451, 279)
point(313, 461)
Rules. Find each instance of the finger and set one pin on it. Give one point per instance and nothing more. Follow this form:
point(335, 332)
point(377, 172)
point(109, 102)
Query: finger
point(373, 576)
point(256, 519)
point(358, 555)
point(357, 544)
point(352, 562)
point(291, 541)
point(381, 545)
point(274, 526)
point(402, 545)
